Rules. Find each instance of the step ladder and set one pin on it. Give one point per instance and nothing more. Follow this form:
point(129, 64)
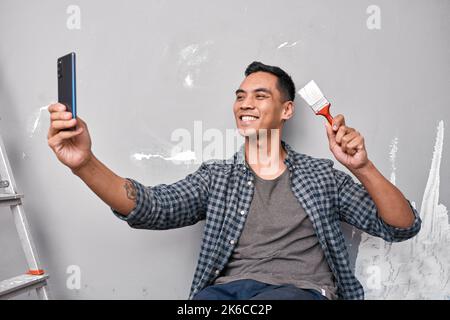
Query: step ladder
point(35, 278)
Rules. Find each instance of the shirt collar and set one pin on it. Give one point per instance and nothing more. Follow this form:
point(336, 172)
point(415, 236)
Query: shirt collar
point(289, 160)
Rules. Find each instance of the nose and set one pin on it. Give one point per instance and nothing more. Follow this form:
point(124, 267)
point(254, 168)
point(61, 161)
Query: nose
point(247, 104)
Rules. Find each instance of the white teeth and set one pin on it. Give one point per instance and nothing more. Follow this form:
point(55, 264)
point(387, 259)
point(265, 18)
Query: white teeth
point(248, 118)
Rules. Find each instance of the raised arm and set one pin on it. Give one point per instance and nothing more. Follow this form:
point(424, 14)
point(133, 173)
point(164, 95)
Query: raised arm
point(73, 149)
point(117, 192)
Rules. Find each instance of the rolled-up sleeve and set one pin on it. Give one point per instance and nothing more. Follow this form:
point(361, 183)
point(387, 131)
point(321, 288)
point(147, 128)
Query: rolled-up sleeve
point(164, 206)
point(357, 208)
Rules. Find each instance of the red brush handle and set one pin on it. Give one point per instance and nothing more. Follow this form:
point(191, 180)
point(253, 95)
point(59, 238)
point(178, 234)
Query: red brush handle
point(325, 111)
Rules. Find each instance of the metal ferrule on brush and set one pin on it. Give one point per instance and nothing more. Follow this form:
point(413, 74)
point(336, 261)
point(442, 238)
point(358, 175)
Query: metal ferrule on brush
point(319, 104)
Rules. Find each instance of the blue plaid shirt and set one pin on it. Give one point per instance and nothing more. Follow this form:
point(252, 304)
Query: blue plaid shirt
point(220, 192)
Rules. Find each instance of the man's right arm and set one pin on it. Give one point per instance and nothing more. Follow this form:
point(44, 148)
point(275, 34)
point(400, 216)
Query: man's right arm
point(159, 207)
point(73, 149)
point(117, 192)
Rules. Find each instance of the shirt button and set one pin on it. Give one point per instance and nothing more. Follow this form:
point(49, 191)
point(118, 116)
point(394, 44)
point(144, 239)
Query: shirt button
point(249, 183)
point(217, 271)
point(242, 212)
point(232, 241)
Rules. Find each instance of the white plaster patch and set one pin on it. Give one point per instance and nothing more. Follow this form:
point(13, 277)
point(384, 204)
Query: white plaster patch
point(180, 156)
point(392, 157)
point(417, 268)
point(191, 58)
point(36, 120)
point(188, 81)
point(287, 45)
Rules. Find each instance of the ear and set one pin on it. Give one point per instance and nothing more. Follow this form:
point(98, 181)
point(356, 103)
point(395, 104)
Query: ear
point(288, 110)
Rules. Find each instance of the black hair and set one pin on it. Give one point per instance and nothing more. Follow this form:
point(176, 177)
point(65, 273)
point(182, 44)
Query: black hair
point(284, 83)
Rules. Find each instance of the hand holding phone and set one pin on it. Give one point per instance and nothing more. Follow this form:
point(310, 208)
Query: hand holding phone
point(68, 134)
point(67, 83)
point(71, 147)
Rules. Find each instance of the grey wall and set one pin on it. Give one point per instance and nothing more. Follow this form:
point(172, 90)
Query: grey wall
point(146, 68)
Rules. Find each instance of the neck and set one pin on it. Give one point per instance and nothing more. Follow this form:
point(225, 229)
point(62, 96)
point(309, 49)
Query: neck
point(264, 153)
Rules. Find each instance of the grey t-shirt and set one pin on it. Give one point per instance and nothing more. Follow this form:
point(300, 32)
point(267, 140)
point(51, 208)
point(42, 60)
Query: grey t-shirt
point(278, 244)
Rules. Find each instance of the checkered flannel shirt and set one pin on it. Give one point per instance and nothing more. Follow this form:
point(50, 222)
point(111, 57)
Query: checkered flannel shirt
point(220, 192)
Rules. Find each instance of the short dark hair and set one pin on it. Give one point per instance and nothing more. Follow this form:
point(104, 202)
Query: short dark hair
point(284, 83)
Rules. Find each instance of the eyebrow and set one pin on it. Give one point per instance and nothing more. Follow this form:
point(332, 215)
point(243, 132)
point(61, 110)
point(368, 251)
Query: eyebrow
point(256, 90)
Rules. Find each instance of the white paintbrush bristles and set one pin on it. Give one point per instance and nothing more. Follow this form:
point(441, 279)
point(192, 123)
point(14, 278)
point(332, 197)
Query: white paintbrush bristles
point(313, 96)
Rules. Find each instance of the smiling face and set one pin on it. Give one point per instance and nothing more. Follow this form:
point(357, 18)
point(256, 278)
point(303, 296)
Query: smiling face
point(259, 104)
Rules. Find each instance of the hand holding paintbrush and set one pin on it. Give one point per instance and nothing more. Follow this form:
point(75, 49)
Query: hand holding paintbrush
point(346, 144)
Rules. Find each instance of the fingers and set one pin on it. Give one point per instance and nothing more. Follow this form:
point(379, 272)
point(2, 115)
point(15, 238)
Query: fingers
point(59, 119)
point(56, 107)
point(60, 115)
point(58, 112)
point(338, 121)
point(342, 131)
point(352, 142)
point(58, 138)
point(347, 138)
point(357, 143)
point(57, 125)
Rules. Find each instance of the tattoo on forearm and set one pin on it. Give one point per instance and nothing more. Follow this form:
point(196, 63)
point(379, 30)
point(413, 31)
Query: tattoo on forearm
point(131, 190)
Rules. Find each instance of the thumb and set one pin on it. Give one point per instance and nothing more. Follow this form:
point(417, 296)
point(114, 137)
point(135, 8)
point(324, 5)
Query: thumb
point(330, 133)
point(81, 123)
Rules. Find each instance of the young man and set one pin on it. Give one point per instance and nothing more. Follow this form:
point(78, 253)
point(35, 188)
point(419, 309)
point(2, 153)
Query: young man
point(272, 215)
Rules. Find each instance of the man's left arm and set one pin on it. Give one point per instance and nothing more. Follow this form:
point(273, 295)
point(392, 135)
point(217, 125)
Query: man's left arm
point(392, 206)
point(348, 147)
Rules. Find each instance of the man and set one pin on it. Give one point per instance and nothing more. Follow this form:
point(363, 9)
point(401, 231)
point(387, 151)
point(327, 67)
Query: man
point(272, 215)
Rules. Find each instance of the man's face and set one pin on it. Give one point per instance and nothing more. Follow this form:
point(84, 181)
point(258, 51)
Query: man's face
point(259, 104)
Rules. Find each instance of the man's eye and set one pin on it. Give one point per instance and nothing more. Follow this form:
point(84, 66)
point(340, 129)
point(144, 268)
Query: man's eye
point(239, 97)
point(260, 97)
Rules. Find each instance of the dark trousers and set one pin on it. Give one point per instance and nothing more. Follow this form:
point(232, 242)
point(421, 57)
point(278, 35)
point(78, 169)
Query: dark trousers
point(248, 289)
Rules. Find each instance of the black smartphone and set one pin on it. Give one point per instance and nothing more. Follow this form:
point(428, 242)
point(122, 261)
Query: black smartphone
point(67, 93)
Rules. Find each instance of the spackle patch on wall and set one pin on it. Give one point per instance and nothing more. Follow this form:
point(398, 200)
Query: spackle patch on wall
point(36, 120)
point(287, 45)
point(191, 58)
point(188, 81)
point(184, 156)
point(392, 158)
point(418, 268)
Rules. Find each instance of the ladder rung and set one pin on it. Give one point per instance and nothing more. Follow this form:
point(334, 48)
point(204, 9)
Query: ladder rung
point(19, 284)
point(8, 199)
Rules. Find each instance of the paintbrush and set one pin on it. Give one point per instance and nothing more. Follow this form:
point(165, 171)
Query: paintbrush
point(316, 100)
